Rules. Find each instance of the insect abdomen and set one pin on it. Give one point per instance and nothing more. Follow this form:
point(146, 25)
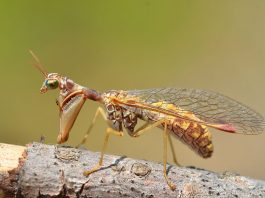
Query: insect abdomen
point(195, 135)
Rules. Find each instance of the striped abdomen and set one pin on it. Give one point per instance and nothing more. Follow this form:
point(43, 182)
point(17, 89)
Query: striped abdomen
point(195, 135)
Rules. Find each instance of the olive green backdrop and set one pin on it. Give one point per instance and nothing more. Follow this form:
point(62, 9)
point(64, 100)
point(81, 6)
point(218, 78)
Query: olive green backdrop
point(215, 45)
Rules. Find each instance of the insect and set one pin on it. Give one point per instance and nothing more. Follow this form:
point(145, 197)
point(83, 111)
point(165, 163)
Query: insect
point(186, 113)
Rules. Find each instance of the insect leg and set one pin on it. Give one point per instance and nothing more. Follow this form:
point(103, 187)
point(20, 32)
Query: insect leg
point(173, 151)
point(99, 111)
point(109, 132)
point(165, 138)
point(147, 127)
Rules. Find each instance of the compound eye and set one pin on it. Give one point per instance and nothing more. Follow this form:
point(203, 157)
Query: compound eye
point(52, 84)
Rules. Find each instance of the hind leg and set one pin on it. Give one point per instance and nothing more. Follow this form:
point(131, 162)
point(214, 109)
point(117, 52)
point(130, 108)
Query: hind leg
point(165, 139)
point(147, 127)
point(174, 156)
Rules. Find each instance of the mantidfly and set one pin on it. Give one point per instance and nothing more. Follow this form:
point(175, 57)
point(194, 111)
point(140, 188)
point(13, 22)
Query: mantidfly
point(186, 113)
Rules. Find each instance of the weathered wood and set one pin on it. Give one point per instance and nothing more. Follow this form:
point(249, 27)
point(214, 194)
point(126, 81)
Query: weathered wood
point(11, 158)
point(9, 155)
point(50, 171)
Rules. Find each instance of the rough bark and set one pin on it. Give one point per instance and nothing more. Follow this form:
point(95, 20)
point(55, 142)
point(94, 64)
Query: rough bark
point(51, 171)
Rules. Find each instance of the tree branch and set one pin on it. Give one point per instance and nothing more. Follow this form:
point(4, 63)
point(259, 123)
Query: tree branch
point(40, 170)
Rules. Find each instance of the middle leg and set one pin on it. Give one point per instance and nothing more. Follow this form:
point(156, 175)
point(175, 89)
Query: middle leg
point(109, 132)
point(99, 111)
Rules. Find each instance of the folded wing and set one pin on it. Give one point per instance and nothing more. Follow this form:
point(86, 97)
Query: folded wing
point(212, 109)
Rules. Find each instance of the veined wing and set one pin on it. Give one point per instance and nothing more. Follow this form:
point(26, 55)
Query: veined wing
point(211, 108)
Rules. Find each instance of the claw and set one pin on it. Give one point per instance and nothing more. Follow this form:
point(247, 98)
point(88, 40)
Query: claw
point(136, 135)
point(172, 186)
point(88, 172)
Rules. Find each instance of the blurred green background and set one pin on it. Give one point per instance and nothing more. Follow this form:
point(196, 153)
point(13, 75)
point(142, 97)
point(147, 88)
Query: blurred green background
point(215, 45)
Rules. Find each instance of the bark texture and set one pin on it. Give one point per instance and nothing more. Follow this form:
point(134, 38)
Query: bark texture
point(51, 171)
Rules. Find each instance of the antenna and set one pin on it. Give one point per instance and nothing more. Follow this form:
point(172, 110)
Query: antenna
point(38, 65)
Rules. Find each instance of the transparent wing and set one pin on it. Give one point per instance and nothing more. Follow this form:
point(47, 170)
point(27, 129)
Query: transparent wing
point(208, 106)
